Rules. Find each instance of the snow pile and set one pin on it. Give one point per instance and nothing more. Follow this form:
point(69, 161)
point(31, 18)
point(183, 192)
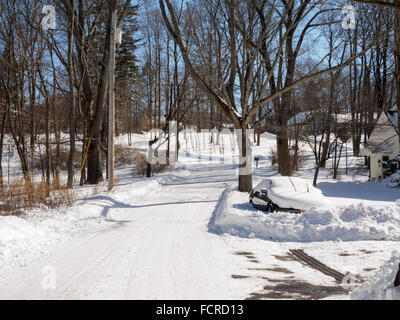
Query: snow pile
point(136, 191)
point(24, 239)
point(393, 181)
point(381, 286)
point(235, 215)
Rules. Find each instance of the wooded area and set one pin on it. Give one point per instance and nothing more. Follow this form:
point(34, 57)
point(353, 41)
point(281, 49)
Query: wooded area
point(288, 67)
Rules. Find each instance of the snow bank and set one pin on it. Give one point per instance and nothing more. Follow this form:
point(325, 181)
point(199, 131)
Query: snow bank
point(24, 239)
point(235, 215)
point(393, 181)
point(381, 286)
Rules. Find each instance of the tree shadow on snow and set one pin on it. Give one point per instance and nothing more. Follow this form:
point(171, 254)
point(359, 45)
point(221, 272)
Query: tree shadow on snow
point(245, 206)
point(109, 203)
point(373, 191)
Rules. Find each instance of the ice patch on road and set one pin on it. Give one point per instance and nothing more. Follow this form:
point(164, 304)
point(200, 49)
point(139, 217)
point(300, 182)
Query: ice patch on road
point(381, 286)
point(235, 215)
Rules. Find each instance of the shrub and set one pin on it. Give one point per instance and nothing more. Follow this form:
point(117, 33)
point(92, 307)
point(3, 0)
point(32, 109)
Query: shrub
point(296, 159)
point(18, 196)
point(40, 160)
point(273, 155)
point(140, 163)
point(124, 156)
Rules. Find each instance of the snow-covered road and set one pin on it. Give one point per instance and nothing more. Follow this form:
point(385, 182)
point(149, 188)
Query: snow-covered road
point(158, 246)
point(160, 249)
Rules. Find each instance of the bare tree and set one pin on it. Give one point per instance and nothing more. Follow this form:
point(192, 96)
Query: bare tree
point(396, 7)
point(240, 42)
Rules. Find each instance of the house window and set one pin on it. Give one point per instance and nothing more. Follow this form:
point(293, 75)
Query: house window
point(385, 158)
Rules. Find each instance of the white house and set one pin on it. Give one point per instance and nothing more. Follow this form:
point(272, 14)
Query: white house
point(383, 144)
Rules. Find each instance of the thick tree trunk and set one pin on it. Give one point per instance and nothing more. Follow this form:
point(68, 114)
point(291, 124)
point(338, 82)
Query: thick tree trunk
point(95, 172)
point(94, 163)
point(282, 140)
point(283, 153)
point(316, 173)
point(245, 161)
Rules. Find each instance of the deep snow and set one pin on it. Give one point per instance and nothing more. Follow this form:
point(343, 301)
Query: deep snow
point(235, 215)
point(23, 239)
point(149, 239)
point(381, 286)
point(393, 181)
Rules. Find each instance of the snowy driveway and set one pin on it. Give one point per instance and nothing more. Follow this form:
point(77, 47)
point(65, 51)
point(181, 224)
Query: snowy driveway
point(159, 247)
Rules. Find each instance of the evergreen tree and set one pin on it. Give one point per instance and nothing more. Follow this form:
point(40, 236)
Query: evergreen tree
point(126, 59)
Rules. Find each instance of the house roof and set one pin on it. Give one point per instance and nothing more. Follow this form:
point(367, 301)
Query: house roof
point(301, 117)
point(342, 118)
point(382, 136)
point(345, 118)
point(394, 119)
point(384, 148)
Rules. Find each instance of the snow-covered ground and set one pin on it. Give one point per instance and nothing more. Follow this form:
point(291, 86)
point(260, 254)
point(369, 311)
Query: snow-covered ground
point(154, 239)
point(23, 238)
point(393, 181)
point(235, 215)
point(380, 287)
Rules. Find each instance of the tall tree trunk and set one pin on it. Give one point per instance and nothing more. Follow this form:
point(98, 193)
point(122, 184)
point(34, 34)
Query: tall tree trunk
point(282, 139)
point(316, 174)
point(245, 160)
point(48, 151)
point(83, 164)
point(3, 125)
point(94, 164)
point(328, 123)
point(397, 57)
point(95, 168)
point(72, 111)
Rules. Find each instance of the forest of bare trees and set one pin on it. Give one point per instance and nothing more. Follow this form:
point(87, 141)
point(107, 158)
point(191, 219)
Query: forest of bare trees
point(253, 64)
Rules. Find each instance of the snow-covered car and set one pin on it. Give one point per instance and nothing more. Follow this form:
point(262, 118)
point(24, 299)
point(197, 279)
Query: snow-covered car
point(286, 194)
